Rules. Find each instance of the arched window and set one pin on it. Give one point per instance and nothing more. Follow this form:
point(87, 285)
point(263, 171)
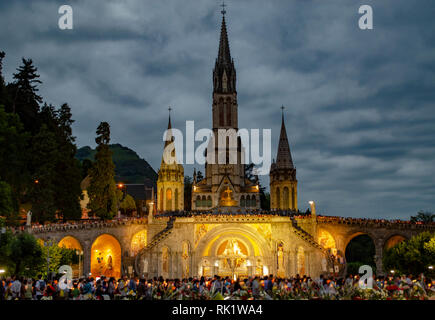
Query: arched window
point(168, 199)
point(242, 201)
point(176, 200)
point(278, 199)
point(286, 200)
point(248, 201)
point(204, 201)
point(253, 201)
point(198, 201)
point(209, 201)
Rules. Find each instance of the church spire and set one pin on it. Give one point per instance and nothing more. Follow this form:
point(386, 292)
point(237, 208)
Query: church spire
point(169, 137)
point(224, 73)
point(283, 157)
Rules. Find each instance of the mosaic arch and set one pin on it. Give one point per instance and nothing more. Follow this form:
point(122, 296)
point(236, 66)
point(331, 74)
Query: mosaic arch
point(138, 242)
point(106, 257)
point(232, 251)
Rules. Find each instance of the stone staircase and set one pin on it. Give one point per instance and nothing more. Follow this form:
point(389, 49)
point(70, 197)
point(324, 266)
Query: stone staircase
point(305, 235)
point(160, 236)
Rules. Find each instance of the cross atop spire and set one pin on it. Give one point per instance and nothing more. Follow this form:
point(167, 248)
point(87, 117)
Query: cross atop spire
point(223, 5)
point(169, 124)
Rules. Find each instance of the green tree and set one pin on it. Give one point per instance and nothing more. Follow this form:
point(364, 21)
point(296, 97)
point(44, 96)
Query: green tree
point(13, 156)
point(127, 205)
point(67, 168)
point(42, 194)
point(59, 256)
point(6, 207)
point(26, 255)
point(423, 216)
point(412, 256)
point(25, 95)
point(102, 189)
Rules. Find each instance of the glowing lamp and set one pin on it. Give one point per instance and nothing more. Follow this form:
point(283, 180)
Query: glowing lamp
point(430, 267)
point(2, 271)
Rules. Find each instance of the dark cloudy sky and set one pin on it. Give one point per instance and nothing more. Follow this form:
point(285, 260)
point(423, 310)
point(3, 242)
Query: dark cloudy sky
point(360, 104)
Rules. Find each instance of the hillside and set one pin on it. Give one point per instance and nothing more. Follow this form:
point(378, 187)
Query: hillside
point(129, 167)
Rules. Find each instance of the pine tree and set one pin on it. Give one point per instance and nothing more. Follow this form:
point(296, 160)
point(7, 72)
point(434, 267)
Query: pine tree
point(68, 173)
point(25, 97)
point(43, 191)
point(13, 156)
point(103, 201)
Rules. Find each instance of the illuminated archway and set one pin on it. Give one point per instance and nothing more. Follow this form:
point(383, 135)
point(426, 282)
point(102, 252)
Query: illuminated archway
point(70, 242)
point(392, 241)
point(326, 240)
point(106, 257)
point(138, 242)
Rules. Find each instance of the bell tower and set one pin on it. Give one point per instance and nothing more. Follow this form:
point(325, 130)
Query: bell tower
point(170, 182)
point(283, 183)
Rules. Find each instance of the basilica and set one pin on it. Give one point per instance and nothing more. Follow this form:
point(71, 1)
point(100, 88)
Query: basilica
point(226, 233)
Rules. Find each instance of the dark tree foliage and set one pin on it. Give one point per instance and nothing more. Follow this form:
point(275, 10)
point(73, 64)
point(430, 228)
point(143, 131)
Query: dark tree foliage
point(103, 200)
point(25, 99)
point(43, 189)
point(423, 216)
point(13, 157)
point(36, 144)
point(361, 250)
point(413, 256)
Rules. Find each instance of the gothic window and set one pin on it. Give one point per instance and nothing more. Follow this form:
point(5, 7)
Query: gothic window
point(242, 201)
point(204, 201)
point(209, 201)
point(248, 201)
point(198, 201)
point(168, 199)
point(286, 200)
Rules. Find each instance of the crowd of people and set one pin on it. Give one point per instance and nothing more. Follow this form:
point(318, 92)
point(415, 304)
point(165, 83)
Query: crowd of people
point(219, 288)
point(95, 223)
point(368, 221)
point(238, 212)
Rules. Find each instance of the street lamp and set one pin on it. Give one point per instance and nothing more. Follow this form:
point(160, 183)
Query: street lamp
point(430, 267)
point(2, 271)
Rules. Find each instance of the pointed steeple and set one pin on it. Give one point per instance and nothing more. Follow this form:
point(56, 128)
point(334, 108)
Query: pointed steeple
point(283, 157)
point(224, 56)
point(169, 138)
point(224, 73)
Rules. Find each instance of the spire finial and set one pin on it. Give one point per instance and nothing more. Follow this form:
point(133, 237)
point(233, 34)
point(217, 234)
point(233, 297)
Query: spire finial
point(282, 111)
point(223, 5)
point(169, 109)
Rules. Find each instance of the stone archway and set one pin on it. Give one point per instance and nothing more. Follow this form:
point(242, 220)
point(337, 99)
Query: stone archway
point(360, 249)
point(393, 240)
point(230, 250)
point(70, 242)
point(106, 256)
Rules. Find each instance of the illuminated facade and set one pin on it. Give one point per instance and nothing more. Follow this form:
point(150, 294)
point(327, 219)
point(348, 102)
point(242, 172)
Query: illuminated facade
point(236, 245)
